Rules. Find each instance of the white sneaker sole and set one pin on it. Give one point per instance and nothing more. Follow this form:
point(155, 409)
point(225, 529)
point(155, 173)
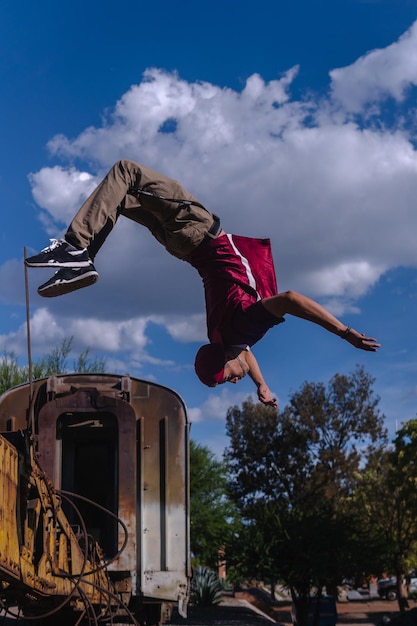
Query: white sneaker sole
point(52, 263)
point(60, 288)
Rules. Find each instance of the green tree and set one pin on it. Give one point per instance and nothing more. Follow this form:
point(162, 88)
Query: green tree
point(213, 516)
point(84, 363)
point(56, 362)
point(387, 495)
point(11, 374)
point(293, 476)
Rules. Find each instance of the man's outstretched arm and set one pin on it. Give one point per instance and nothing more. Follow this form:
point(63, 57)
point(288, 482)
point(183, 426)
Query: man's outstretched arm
point(294, 303)
point(264, 394)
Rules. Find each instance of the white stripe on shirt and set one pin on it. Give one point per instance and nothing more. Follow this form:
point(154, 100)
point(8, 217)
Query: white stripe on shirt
point(245, 262)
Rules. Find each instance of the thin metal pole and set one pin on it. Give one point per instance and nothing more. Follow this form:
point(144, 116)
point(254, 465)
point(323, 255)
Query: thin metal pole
point(28, 328)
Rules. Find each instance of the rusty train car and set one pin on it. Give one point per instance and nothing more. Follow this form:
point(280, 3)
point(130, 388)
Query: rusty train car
point(94, 501)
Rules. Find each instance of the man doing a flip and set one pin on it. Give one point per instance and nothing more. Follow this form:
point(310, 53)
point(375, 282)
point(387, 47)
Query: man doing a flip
point(242, 300)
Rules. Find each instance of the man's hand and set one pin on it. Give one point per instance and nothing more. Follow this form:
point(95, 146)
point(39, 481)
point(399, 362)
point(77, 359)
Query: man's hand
point(359, 340)
point(264, 396)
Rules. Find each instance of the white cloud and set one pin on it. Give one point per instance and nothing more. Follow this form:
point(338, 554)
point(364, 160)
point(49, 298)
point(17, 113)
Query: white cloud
point(61, 191)
point(205, 115)
point(379, 74)
point(128, 335)
point(48, 330)
point(217, 404)
point(347, 279)
point(337, 198)
point(188, 328)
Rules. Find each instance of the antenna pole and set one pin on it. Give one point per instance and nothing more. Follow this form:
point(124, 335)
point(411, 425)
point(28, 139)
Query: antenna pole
point(28, 329)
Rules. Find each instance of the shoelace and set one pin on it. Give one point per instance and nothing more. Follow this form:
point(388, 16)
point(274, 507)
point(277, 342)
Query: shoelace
point(54, 244)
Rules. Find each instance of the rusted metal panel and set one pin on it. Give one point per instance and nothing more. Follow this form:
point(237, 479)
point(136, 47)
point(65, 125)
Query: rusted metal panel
point(165, 495)
point(9, 539)
point(90, 401)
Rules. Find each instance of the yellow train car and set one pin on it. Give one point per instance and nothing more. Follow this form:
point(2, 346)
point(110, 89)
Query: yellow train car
point(94, 500)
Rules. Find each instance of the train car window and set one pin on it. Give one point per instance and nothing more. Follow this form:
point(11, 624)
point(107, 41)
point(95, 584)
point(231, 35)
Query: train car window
point(90, 469)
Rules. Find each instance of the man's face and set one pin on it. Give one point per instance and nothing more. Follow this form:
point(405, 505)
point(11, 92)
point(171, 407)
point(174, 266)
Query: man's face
point(234, 370)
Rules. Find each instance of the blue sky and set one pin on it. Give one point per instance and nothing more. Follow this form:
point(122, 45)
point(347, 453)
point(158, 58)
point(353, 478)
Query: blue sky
point(291, 119)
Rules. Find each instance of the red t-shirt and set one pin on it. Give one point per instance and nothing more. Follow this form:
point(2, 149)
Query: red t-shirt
point(237, 272)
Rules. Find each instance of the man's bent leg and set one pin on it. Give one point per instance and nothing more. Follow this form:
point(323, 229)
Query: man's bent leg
point(103, 204)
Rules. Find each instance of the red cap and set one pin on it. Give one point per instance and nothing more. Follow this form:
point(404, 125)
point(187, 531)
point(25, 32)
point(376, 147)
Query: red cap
point(209, 364)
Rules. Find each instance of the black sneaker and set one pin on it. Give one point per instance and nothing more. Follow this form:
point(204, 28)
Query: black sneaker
point(68, 279)
point(60, 254)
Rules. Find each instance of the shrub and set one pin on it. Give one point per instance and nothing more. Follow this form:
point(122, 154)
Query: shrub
point(206, 588)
